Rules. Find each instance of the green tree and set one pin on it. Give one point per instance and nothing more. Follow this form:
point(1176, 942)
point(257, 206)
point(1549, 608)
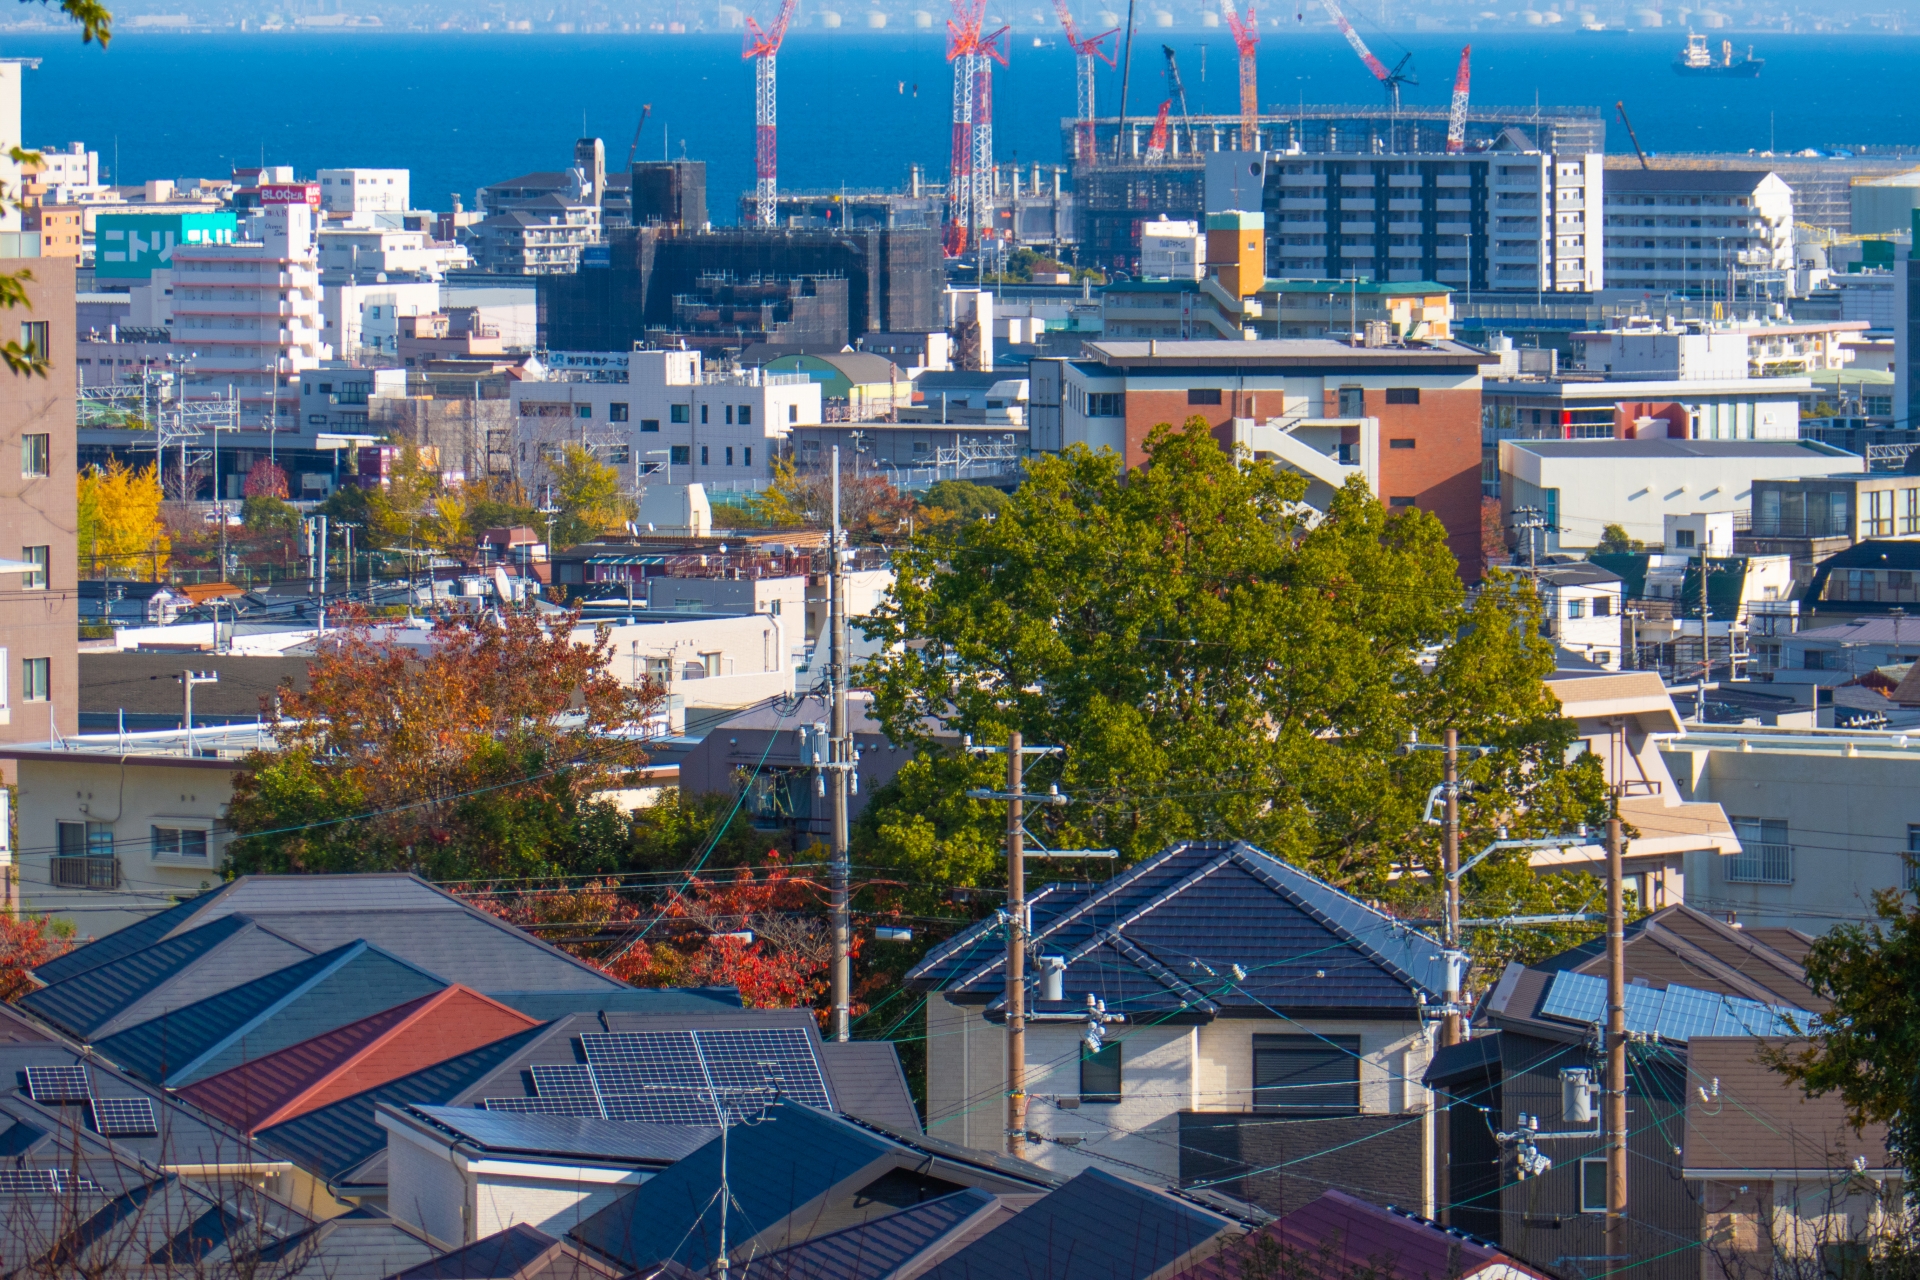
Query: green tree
point(587, 493)
point(960, 500)
point(1216, 665)
point(263, 513)
point(1614, 540)
point(1866, 1046)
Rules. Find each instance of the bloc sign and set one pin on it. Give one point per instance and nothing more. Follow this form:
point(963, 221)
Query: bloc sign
point(132, 246)
point(307, 193)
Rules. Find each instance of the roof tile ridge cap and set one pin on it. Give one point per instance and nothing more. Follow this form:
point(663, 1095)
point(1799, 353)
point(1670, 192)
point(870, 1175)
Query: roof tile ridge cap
point(347, 952)
point(1166, 976)
point(1353, 939)
point(1694, 955)
point(1093, 899)
point(340, 1068)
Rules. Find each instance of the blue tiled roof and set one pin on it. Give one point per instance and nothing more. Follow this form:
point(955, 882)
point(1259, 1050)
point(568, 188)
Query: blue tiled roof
point(876, 1249)
point(335, 1139)
point(284, 1008)
point(1162, 940)
point(121, 942)
point(774, 1167)
point(82, 1002)
point(1097, 1227)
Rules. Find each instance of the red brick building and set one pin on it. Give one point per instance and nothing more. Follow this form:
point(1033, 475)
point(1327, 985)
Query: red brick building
point(1407, 415)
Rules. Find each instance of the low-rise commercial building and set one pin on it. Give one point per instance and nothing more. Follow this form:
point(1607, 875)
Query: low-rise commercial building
point(1172, 250)
point(350, 191)
point(1718, 350)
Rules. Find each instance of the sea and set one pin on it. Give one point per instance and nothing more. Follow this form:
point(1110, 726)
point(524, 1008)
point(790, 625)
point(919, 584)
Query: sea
point(857, 110)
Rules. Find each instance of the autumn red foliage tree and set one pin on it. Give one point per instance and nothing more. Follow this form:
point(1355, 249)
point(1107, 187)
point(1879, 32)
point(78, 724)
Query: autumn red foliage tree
point(478, 755)
point(25, 944)
point(761, 931)
point(265, 480)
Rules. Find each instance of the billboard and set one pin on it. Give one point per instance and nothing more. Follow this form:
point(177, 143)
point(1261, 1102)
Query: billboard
point(132, 246)
point(307, 193)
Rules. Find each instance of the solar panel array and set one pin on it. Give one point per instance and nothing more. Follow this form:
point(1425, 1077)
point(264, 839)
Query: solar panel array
point(124, 1117)
point(58, 1084)
point(42, 1182)
point(1676, 1014)
point(674, 1077)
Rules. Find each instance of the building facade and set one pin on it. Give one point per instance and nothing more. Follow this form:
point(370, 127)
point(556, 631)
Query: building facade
point(1699, 233)
point(365, 190)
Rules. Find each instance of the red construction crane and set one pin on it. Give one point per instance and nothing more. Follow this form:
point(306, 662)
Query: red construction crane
point(764, 46)
point(1246, 38)
point(1157, 140)
point(1393, 79)
point(970, 186)
point(1457, 118)
point(1084, 52)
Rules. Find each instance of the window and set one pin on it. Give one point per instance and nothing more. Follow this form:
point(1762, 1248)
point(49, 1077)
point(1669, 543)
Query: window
point(1203, 395)
point(1878, 520)
point(1353, 402)
point(1593, 1185)
point(1837, 513)
point(649, 424)
point(680, 454)
point(1683, 537)
point(1576, 608)
point(616, 455)
point(703, 455)
point(616, 412)
point(36, 455)
point(1766, 855)
point(793, 413)
point(72, 839)
point(729, 416)
point(1100, 1074)
point(1910, 511)
point(1403, 395)
point(746, 415)
point(1106, 404)
point(747, 461)
point(1400, 502)
point(180, 842)
point(1307, 1075)
point(680, 413)
point(703, 415)
point(1400, 444)
point(583, 411)
point(1913, 855)
point(36, 679)
point(35, 579)
point(33, 336)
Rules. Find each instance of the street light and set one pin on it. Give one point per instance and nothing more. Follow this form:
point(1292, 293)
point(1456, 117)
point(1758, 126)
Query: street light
point(668, 455)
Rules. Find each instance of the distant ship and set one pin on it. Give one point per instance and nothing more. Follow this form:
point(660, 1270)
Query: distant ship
point(1697, 60)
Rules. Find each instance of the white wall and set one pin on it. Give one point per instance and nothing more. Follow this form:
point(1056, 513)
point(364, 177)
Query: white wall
point(364, 190)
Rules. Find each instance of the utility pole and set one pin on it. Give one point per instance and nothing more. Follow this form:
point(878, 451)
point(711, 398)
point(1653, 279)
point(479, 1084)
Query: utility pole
point(840, 762)
point(1450, 859)
point(1616, 1117)
point(1706, 620)
point(1016, 955)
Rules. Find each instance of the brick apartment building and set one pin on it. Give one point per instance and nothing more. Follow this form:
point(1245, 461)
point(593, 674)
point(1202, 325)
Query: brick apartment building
point(1405, 414)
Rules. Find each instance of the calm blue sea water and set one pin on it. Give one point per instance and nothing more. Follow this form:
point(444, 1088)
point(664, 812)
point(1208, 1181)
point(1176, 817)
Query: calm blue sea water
point(856, 109)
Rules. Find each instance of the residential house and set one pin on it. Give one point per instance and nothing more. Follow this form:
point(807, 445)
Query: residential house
point(1424, 398)
point(1678, 842)
point(1825, 820)
point(1263, 1033)
point(1874, 577)
point(1580, 487)
point(1843, 652)
point(1703, 999)
point(1583, 608)
point(1812, 518)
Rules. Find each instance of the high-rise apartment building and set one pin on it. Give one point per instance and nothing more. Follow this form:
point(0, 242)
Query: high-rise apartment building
point(246, 316)
point(1512, 219)
point(1700, 233)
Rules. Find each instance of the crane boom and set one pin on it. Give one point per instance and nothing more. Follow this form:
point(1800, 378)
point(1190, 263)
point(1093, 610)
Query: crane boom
point(1621, 107)
point(1457, 118)
point(1246, 38)
point(1179, 92)
point(763, 46)
point(646, 109)
point(1157, 140)
point(1374, 64)
point(1084, 52)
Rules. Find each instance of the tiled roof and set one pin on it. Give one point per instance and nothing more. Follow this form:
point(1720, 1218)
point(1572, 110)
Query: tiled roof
point(1679, 945)
point(335, 1140)
point(867, 1083)
point(876, 1249)
point(356, 1057)
point(171, 974)
point(294, 1004)
point(1097, 1227)
point(1341, 1234)
point(134, 937)
point(520, 1252)
point(1145, 941)
point(363, 1244)
point(1753, 1122)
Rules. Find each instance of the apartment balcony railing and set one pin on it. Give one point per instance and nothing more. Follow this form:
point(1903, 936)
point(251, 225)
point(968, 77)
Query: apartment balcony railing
point(86, 872)
point(1761, 864)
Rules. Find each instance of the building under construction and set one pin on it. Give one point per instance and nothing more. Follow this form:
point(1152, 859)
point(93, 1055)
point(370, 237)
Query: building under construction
point(1031, 206)
point(1120, 181)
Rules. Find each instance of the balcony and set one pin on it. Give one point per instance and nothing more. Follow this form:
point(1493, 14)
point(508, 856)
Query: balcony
point(1761, 864)
point(85, 872)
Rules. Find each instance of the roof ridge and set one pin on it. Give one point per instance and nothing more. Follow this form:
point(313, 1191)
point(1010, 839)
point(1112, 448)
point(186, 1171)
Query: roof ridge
point(343, 954)
point(421, 1005)
point(1258, 856)
point(1711, 965)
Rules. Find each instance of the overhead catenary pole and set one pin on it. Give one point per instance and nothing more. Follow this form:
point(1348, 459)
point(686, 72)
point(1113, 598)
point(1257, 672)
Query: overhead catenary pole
point(1616, 1046)
point(1450, 859)
point(1016, 954)
point(840, 757)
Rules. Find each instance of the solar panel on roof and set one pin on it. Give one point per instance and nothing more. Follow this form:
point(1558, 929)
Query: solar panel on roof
point(570, 1083)
point(58, 1084)
point(781, 1058)
point(124, 1117)
point(666, 1106)
point(541, 1107)
point(639, 1061)
point(42, 1182)
point(1677, 1014)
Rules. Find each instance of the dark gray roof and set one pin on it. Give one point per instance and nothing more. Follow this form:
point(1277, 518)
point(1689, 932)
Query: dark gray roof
point(1161, 939)
point(877, 1249)
point(364, 1244)
point(503, 1255)
point(149, 682)
point(1579, 574)
point(572, 1136)
point(1097, 1227)
point(868, 1084)
point(1685, 181)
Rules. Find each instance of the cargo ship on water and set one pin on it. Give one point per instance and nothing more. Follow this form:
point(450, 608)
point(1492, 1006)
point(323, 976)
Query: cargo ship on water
point(1697, 60)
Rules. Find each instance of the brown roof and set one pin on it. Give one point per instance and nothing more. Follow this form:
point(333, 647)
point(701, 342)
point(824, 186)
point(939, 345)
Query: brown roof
point(1745, 1119)
point(201, 592)
point(1684, 946)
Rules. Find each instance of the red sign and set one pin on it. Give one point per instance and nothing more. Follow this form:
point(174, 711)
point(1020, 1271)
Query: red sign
point(307, 193)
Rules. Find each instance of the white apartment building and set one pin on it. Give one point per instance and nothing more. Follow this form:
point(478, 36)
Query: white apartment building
point(361, 321)
point(12, 74)
point(1692, 350)
point(1697, 233)
point(1413, 217)
point(366, 251)
point(247, 315)
point(1582, 608)
point(70, 173)
point(644, 412)
point(1172, 250)
point(364, 190)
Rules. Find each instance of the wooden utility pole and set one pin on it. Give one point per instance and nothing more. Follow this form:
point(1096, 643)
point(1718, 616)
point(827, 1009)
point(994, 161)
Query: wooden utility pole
point(1450, 860)
point(1016, 955)
point(839, 765)
point(1616, 1044)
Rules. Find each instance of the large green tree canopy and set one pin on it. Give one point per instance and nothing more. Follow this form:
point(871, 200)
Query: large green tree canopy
point(1218, 661)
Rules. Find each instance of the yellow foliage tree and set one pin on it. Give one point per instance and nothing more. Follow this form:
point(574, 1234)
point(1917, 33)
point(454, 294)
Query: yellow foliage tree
point(587, 494)
point(120, 528)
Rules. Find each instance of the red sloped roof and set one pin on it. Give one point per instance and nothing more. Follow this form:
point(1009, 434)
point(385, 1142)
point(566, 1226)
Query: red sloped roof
point(359, 1056)
point(1345, 1235)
